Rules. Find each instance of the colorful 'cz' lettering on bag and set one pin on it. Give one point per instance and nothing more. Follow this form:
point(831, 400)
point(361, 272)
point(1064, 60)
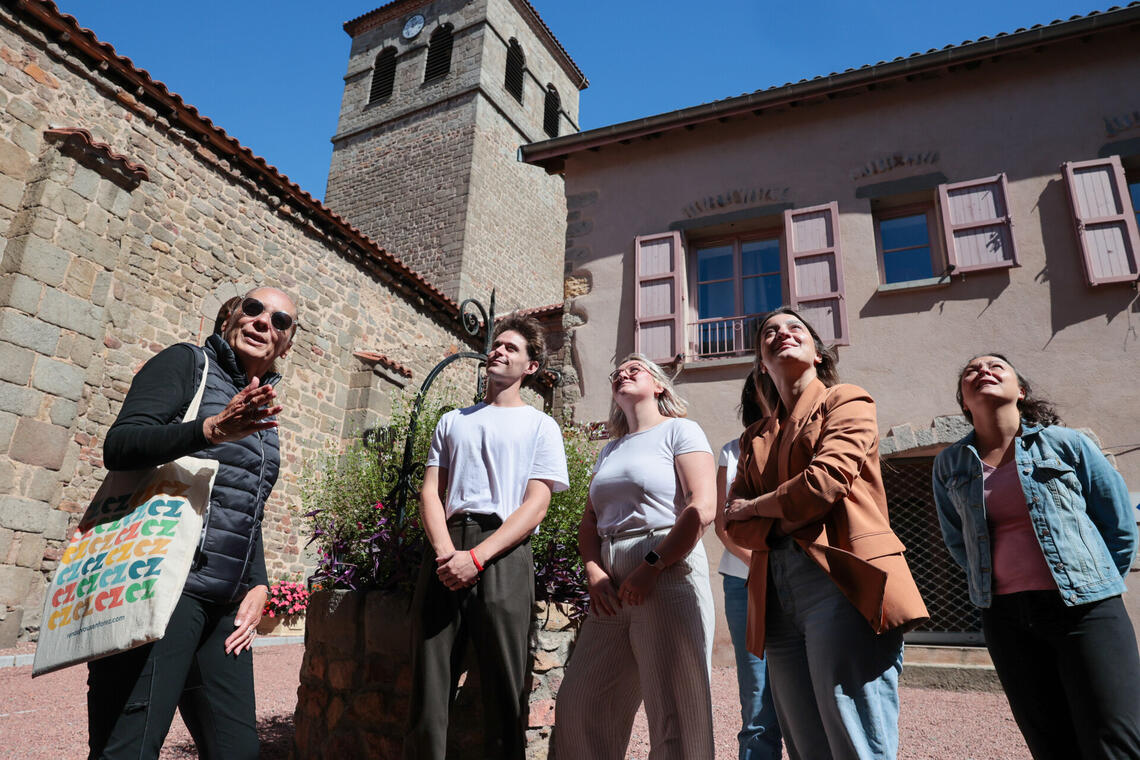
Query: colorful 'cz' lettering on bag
point(126, 563)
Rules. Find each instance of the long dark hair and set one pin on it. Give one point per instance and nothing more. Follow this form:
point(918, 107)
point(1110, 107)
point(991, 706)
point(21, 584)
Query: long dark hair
point(751, 410)
point(826, 370)
point(1034, 409)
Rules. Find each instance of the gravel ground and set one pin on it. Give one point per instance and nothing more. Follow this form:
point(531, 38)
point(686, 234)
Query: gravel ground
point(45, 719)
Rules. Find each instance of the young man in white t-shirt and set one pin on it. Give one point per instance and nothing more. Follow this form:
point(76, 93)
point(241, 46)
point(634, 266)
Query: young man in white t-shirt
point(489, 477)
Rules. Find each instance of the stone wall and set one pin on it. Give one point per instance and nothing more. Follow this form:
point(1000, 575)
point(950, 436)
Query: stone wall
point(118, 244)
point(356, 680)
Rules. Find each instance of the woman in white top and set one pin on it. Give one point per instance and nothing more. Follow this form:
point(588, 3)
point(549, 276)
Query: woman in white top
point(649, 633)
point(759, 735)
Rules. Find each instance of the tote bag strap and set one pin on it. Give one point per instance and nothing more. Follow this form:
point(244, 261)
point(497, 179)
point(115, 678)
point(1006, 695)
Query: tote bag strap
point(192, 410)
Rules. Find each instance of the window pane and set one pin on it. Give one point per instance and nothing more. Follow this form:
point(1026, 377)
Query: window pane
point(1134, 191)
point(911, 264)
point(762, 294)
point(716, 299)
point(760, 257)
point(714, 263)
point(904, 232)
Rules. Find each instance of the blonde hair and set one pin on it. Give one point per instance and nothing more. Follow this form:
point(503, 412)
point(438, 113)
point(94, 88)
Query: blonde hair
point(668, 402)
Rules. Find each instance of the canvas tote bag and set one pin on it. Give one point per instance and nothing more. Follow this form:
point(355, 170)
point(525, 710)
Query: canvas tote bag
point(123, 570)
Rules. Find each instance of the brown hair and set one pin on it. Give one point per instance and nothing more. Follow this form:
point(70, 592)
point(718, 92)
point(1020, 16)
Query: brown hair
point(826, 369)
point(1034, 409)
point(751, 410)
point(531, 331)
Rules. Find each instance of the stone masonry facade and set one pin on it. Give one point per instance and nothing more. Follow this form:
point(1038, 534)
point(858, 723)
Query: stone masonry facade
point(125, 239)
point(432, 171)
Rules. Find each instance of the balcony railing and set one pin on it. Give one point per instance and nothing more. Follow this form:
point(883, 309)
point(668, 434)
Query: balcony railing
point(722, 336)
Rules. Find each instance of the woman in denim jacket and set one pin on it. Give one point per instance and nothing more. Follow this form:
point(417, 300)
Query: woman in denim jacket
point(1042, 524)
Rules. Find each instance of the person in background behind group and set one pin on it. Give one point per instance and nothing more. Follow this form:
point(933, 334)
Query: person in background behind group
point(759, 736)
point(1043, 527)
point(203, 664)
point(490, 473)
point(649, 632)
point(830, 593)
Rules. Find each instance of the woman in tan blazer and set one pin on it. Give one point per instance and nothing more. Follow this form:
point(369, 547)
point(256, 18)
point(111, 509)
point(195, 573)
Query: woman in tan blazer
point(829, 591)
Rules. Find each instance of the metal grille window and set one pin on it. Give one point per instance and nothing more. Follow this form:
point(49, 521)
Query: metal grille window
point(383, 76)
point(953, 618)
point(516, 63)
point(551, 111)
point(439, 54)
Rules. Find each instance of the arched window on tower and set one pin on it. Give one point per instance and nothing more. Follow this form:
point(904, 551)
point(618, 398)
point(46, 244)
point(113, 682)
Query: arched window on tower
point(383, 76)
point(516, 63)
point(439, 54)
point(551, 111)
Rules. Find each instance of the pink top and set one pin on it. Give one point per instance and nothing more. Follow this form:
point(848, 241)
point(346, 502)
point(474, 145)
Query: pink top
point(1018, 564)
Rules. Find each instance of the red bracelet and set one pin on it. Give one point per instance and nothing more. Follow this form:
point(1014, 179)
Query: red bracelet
point(475, 560)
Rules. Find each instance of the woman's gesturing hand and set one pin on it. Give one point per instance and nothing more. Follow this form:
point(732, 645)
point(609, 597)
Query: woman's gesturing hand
point(246, 413)
point(603, 595)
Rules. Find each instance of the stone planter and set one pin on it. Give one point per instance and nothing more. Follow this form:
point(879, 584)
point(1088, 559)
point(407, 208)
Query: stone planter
point(294, 625)
point(356, 680)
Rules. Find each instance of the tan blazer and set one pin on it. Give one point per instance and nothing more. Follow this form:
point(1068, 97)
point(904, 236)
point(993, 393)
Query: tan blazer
point(817, 476)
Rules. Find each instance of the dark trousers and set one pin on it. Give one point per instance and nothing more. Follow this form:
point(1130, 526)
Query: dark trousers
point(131, 696)
point(1071, 674)
point(495, 616)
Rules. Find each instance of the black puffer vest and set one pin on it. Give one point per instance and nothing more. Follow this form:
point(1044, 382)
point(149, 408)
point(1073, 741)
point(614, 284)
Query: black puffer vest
point(247, 470)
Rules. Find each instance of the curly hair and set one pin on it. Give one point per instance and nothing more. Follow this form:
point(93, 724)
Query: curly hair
point(1034, 409)
point(531, 331)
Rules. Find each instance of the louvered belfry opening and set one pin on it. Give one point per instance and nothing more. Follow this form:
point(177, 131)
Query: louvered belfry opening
point(551, 111)
point(439, 54)
point(383, 76)
point(516, 64)
point(910, 501)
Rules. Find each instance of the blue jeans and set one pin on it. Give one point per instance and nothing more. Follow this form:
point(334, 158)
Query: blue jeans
point(759, 735)
point(834, 680)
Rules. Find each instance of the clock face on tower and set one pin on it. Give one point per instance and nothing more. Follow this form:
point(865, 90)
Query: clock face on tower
point(413, 26)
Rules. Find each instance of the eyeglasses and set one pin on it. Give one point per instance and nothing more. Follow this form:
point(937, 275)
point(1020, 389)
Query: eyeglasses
point(632, 371)
point(280, 320)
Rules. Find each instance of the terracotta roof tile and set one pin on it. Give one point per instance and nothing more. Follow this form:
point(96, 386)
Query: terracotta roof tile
point(374, 358)
point(117, 160)
point(84, 42)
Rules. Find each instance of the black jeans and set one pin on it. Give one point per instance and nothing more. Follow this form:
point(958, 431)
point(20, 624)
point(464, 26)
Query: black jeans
point(131, 696)
point(1071, 674)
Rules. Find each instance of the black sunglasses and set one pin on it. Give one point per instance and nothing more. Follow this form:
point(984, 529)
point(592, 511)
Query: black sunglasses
point(280, 320)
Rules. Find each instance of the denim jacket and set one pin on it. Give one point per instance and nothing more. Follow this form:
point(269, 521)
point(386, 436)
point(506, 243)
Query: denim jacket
point(1078, 506)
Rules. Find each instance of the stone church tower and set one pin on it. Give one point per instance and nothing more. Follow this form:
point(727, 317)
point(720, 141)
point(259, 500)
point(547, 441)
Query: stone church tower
point(437, 100)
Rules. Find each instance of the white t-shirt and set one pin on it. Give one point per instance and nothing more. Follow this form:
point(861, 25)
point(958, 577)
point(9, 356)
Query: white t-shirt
point(491, 452)
point(730, 564)
point(636, 486)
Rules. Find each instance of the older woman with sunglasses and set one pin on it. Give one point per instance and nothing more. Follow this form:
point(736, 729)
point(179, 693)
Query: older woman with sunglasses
point(649, 633)
point(203, 664)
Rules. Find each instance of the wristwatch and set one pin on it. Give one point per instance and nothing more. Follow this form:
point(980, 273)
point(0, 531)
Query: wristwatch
point(652, 559)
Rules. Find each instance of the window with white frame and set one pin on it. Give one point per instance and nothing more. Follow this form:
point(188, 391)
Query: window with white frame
point(906, 241)
point(701, 301)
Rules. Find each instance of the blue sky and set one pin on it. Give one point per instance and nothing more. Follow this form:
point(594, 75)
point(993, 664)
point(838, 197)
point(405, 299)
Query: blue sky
point(271, 73)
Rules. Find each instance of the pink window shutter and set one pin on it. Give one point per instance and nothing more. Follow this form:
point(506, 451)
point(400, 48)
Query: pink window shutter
point(977, 224)
point(659, 296)
point(1105, 219)
point(815, 269)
